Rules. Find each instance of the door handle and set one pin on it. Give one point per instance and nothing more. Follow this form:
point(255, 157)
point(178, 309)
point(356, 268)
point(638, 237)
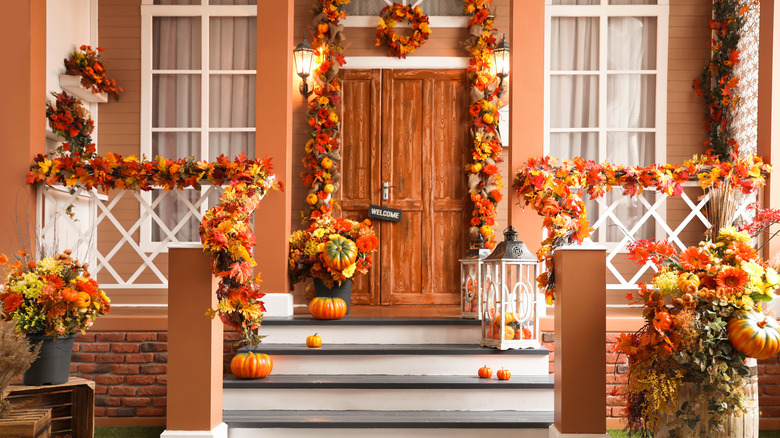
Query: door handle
point(386, 190)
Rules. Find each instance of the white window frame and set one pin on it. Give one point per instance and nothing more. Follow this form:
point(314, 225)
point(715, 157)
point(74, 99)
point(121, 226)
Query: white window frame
point(603, 11)
point(205, 11)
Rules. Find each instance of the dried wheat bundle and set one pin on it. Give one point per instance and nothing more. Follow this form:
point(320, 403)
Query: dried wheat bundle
point(15, 358)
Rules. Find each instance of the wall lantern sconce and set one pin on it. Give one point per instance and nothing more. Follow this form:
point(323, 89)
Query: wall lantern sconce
point(303, 54)
point(501, 61)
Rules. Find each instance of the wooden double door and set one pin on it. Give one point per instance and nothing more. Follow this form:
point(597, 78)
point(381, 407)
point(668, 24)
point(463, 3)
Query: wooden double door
point(408, 129)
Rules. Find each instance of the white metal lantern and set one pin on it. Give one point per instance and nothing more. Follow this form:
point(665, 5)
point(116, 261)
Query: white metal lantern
point(510, 314)
point(471, 280)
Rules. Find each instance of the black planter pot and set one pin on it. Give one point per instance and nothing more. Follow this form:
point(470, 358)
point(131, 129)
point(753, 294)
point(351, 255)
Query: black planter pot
point(52, 367)
point(344, 291)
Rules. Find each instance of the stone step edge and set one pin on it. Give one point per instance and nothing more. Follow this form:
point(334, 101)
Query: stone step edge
point(307, 320)
point(387, 381)
point(392, 349)
point(388, 419)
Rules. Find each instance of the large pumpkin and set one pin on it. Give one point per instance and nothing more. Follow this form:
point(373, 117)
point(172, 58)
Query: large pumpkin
point(251, 365)
point(328, 308)
point(339, 253)
point(755, 334)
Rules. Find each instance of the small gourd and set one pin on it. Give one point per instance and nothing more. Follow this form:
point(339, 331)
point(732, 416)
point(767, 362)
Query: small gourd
point(503, 374)
point(485, 372)
point(313, 341)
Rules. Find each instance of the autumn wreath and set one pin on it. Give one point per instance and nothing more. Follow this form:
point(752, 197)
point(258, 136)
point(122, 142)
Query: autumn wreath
point(398, 45)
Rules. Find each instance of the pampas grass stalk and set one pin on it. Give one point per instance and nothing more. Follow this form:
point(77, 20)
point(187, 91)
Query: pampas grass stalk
point(722, 208)
point(15, 358)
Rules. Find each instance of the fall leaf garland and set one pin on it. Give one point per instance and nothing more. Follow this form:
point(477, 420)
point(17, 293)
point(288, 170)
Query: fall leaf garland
point(483, 177)
point(397, 45)
point(546, 184)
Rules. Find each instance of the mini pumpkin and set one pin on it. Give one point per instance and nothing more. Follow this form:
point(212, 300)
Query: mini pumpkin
point(485, 372)
point(251, 365)
point(339, 253)
point(755, 334)
point(328, 308)
point(688, 282)
point(313, 341)
point(503, 374)
point(82, 301)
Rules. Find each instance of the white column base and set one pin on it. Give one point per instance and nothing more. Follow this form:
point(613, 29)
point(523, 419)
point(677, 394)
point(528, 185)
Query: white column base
point(221, 431)
point(278, 304)
point(554, 433)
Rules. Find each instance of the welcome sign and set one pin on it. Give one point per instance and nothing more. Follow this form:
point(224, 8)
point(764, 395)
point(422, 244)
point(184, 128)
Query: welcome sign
point(384, 213)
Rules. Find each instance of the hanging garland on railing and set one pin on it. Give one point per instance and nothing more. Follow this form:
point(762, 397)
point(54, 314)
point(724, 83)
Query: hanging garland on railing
point(397, 45)
point(545, 184)
point(226, 229)
point(322, 162)
point(484, 179)
point(718, 84)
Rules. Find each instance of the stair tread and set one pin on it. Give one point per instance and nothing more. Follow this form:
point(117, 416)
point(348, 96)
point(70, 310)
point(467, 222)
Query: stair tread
point(388, 419)
point(385, 381)
point(308, 320)
point(393, 349)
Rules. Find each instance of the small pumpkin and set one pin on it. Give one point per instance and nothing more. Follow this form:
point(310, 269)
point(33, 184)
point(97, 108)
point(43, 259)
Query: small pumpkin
point(326, 163)
point(339, 253)
point(485, 372)
point(488, 118)
point(311, 198)
point(509, 332)
point(688, 282)
point(476, 167)
point(313, 341)
point(82, 301)
point(755, 334)
point(328, 308)
point(329, 188)
point(323, 27)
point(251, 365)
point(503, 374)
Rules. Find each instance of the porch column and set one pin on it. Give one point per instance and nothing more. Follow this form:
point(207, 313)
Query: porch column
point(22, 125)
point(526, 107)
point(273, 217)
point(580, 325)
point(194, 347)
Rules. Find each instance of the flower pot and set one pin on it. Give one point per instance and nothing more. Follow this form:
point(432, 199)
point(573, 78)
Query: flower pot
point(52, 367)
point(343, 291)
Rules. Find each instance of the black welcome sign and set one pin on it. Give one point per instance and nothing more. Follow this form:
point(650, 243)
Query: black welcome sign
point(384, 213)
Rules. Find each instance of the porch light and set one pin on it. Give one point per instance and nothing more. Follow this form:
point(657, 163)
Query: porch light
point(471, 279)
point(510, 316)
point(501, 61)
point(303, 54)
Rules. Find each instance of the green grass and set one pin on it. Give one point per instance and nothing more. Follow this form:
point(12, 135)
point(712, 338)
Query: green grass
point(617, 433)
point(128, 432)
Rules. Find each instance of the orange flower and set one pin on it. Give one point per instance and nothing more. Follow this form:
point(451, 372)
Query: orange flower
point(693, 260)
point(367, 243)
point(732, 280)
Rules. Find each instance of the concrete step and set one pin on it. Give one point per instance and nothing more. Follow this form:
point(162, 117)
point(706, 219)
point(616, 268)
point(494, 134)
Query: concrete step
point(388, 393)
point(372, 330)
point(402, 359)
point(361, 423)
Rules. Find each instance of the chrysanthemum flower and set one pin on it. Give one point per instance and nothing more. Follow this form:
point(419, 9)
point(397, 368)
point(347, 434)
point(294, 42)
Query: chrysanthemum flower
point(694, 259)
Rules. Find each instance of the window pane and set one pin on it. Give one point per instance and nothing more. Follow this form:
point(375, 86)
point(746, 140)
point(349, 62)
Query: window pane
point(233, 43)
point(568, 145)
point(231, 144)
point(631, 148)
point(176, 42)
point(172, 210)
point(574, 101)
point(575, 44)
point(232, 101)
point(232, 2)
point(632, 43)
point(430, 7)
point(627, 215)
point(175, 101)
point(631, 101)
point(176, 144)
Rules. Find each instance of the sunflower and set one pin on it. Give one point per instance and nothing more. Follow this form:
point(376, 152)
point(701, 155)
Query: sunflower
point(693, 259)
point(732, 280)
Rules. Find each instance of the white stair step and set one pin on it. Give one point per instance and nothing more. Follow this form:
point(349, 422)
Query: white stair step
point(389, 393)
point(365, 330)
point(431, 359)
point(442, 432)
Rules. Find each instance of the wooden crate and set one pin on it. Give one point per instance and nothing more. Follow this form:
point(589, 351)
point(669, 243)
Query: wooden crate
point(72, 404)
point(26, 423)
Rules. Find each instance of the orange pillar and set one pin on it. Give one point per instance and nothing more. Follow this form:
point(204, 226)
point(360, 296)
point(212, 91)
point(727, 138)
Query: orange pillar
point(580, 326)
point(273, 217)
point(22, 119)
point(526, 106)
point(194, 346)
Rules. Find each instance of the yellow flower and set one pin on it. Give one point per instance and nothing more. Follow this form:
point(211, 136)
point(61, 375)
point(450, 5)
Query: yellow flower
point(772, 278)
point(319, 232)
point(666, 282)
point(730, 234)
point(349, 271)
point(49, 266)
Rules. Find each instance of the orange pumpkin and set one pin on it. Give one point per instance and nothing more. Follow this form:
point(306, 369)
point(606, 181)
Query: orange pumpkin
point(251, 365)
point(313, 341)
point(82, 301)
point(755, 334)
point(509, 332)
point(69, 295)
point(323, 27)
point(326, 163)
point(488, 118)
point(688, 282)
point(485, 372)
point(311, 198)
point(327, 308)
point(503, 374)
point(339, 253)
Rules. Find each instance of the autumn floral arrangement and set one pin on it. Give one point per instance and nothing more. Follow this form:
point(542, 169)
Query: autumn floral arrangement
point(70, 120)
point(331, 250)
point(703, 318)
point(483, 178)
point(322, 161)
point(53, 296)
point(398, 45)
point(553, 188)
point(86, 62)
